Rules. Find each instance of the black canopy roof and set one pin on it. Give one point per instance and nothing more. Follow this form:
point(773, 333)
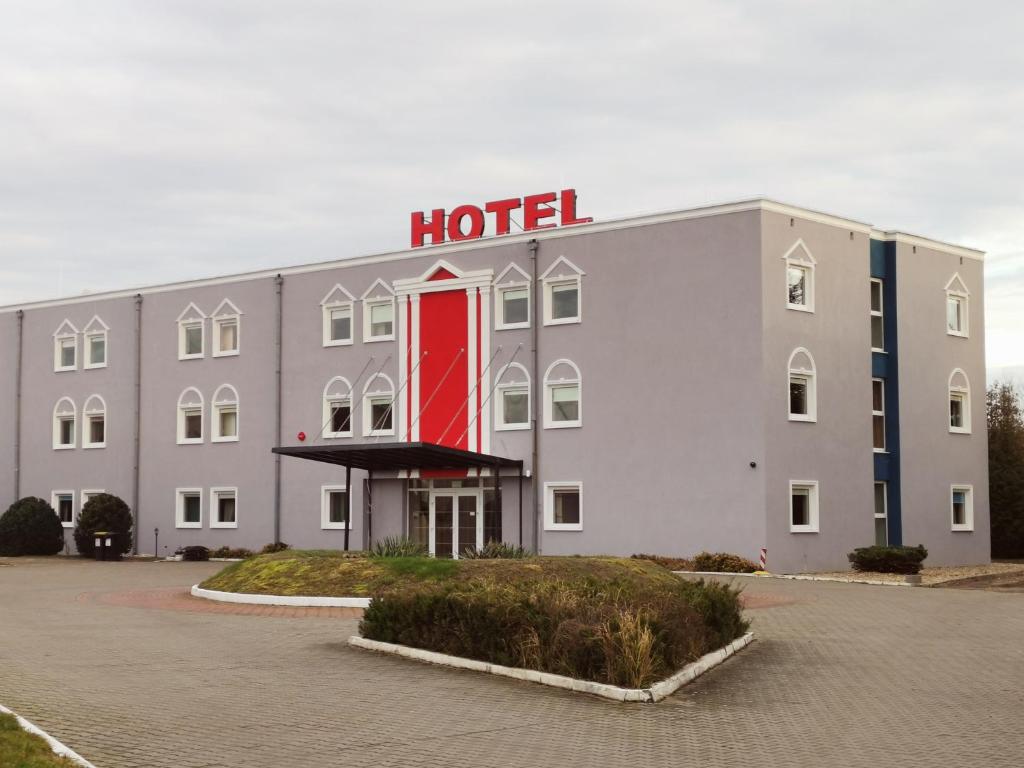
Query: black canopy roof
point(394, 456)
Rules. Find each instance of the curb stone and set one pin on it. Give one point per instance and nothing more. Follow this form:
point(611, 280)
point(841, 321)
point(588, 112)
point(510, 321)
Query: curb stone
point(58, 748)
point(296, 601)
point(799, 577)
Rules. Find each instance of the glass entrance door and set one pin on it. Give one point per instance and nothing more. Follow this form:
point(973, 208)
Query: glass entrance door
point(456, 522)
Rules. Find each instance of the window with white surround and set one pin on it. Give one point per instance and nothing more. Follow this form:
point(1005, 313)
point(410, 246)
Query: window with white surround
point(95, 343)
point(191, 333)
point(881, 514)
point(336, 308)
point(563, 506)
point(959, 403)
point(512, 299)
point(378, 312)
point(562, 284)
point(64, 416)
point(188, 507)
point(89, 494)
point(227, 329)
point(803, 390)
point(799, 267)
point(961, 503)
point(512, 398)
point(563, 395)
point(224, 414)
point(379, 406)
point(878, 415)
point(94, 423)
point(957, 297)
point(803, 506)
point(65, 347)
point(877, 317)
point(63, 503)
point(333, 507)
point(190, 417)
point(223, 507)
point(337, 412)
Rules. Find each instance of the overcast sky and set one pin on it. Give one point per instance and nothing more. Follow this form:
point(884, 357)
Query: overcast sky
point(144, 141)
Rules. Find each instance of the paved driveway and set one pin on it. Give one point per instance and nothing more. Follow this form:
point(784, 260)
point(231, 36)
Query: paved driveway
point(112, 660)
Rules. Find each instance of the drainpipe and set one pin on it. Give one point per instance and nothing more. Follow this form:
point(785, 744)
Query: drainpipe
point(278, 286)
point(138, 421)
point(535, 399)
point(17, 408)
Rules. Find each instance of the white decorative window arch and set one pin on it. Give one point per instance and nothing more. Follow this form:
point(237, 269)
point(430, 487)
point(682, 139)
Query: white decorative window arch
point(190, 417)
point(799, 274)
point(512, 299)
point(94, 423)
point(379, 406)
point(512, 398)
point(378, 312)
point(337, 408)
point(64, 426)
point(65, 347)
point(191, 333)
point(563, 292)
point(563, 395)
point(336, 308)
point(95, 347)
point(802, 386)
point(227, 329)
point(957, 306)
point(959, 402)
point(224, 414)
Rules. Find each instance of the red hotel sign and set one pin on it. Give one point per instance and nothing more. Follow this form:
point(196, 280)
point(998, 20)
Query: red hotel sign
point(536, 210)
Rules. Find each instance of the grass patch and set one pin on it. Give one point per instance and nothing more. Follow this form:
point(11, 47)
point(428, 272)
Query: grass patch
point(20, 749)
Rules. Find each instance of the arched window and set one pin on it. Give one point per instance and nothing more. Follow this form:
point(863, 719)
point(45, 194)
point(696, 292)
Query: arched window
point(190, 417)
point(803, 390)
point(959, 402)
point(512, 398)
point(337, 413)
point(64, 424)
point(379, 406)
point(563, 395)
point(94, 423)
point(224, 414)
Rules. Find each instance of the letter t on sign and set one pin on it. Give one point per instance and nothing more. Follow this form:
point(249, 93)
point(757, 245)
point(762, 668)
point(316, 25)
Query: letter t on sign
point(434, 227)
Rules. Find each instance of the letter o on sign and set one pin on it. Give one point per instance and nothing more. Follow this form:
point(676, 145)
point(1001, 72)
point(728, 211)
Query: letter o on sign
point(476, 223)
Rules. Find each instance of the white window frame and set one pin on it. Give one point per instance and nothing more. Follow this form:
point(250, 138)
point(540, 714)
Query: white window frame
point(957, 290)
point(338, 299)
point(812, 487)
point(964, 393)
point(65, 332)
point(968, 524)
point(88, 493)
point(879, 313)
point(378, 294)
point(874, 413)
point(54, 497)
point(549, 505)
point(215, 494)
point(179, 507)
point(562, 272)
point(885, 506)
point(329, 401)
point(325, 508)
point(806, 261)
point(87, 414)
point(551, 384)
point(511, 279)
point(521, 382)
point(369, 396)
point(226, 314)
point(220, 403)
point(95, 329)
point(811, 377)
point(58, 417)
point(191, 317)
point(191, 406)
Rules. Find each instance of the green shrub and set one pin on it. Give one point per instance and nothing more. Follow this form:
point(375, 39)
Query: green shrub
point(888, 559)
point(397, 546)
point(672, 563)
point(277, 546)
point(723, 562)
point(496, 550)
point(232, 554)
point(104, 512)
point(195, 554)
point(30, 527)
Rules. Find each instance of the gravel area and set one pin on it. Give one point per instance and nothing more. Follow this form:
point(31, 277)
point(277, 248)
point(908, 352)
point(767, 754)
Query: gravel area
point(930, 576)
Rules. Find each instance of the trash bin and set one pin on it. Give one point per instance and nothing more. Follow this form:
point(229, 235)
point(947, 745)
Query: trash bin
point(103, 545)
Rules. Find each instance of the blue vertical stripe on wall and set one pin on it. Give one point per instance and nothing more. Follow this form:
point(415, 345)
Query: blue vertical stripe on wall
point(885, 365)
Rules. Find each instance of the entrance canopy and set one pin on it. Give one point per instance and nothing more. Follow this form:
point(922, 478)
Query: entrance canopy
point(394, 456)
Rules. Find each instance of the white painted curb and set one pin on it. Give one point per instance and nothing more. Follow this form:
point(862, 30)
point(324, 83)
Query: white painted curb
point(56, 746)
point(799, 577)
point(298, 601)
point(656, 692)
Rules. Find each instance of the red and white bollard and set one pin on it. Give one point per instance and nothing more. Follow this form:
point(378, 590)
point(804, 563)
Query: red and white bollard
point(764, 557)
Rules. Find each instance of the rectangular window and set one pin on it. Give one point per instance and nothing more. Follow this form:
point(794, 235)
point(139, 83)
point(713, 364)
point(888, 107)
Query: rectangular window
point(64, 506)
point(87, 496)
point(97, 430)
point(877, 318)
point(515, 308)
point(341, 418)
point(878, 414)
point(798, 396)
point(189, 508)
point(962, 508)
point(563, 506)
point(565, 301)
point(223, 502)
point(381, 414)
point(956, 314)
point(798, 280)
point(194, 340)
point(803, 507)
point(193, 424)
point(515, 407)
point(227, 336)
point(333, 507)
point(957, 422)
point(341, 324)
point(381, 320)
point(67, 431)
point(96, 350)
point(228, 421)
point(881, 514)
point(565, 403)
point(66, 348)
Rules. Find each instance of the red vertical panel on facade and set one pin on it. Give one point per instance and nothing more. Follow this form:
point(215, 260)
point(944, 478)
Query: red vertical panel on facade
point(444, 337)
point(409, 364)
point(481, 365)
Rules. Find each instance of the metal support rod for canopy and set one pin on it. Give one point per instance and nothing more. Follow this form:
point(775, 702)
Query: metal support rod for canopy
point(348, 502)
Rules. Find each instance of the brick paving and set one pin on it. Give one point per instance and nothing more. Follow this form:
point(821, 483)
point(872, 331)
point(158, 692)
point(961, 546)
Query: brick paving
point(841, 674)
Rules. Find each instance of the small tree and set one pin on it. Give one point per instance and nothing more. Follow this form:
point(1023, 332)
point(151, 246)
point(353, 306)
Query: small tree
point(1006, 470)
point(104, 512)
point(30, 527)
